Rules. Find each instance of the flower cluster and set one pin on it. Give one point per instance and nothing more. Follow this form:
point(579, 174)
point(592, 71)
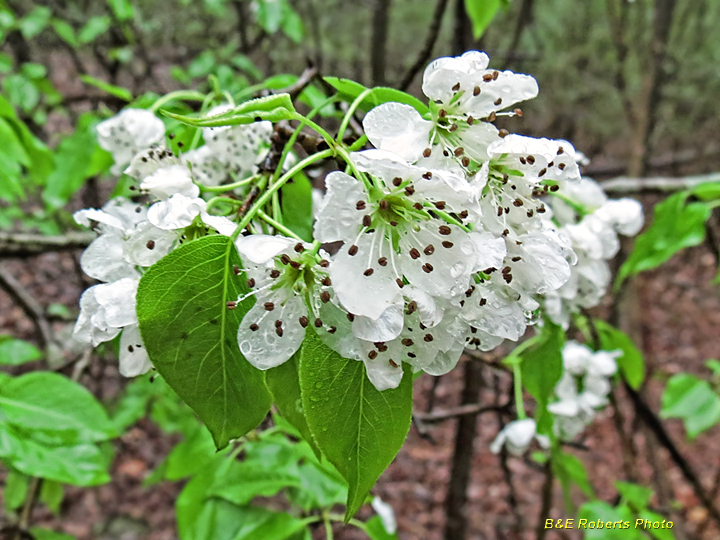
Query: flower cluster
point(444, 240)
point(135, 235)
point(581, 392)
point(592, 223)
point(449, 233)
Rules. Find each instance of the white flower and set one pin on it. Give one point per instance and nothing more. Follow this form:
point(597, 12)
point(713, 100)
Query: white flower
point(105, 309)
point(237, 147)
point(281, 275)
point(390, 238)
point(168, 181)
point(180, 211)
point(462, 91)
point(126, 240)
point(129, 132)
point(625, 215)
point(517, 437)
point(386, 513)
point(206, 166)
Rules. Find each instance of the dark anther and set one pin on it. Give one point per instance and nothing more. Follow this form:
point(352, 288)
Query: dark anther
point(384, 205)
point(399, 283)
point(350, 317)
point(382, 261)
point(275, 273)
point(427, 152)
point(326, 281)
point(428, 338)
point(279, 331)
point(254, 327)
point(429, 250)
point(150, 244)
point(372, 355)
point(440, 205)
point(397, 181)
point(353, 250)
point(325, 297)
point(444, 230)
point(414, 253)
point(251, 282)
point(476, 90)
point(285, 259)
point(236, 269)
point(231, 304)
point(299, 248)
point(366, 221)
point(360, 205)
point(368, 272)
point(269, 306)
point(427, 268)
point(324, 263)
point(304, 321)
point(317, 323)
point(447, 245)
point(498, 101)
point(427, 175)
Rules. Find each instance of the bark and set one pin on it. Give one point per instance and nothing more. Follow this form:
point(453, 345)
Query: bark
point(456, 500)
point(462, 32)
point(378, 47)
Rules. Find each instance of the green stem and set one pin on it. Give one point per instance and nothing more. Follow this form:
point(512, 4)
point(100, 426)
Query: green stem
point(447, 217)
point(357, 145)
point(328, 528)
point(517, 383)
point(315, 127)
point(227, 187)
point(277, 226)
point(354, 522)
point(189, 95)
point(265, 197)
point(219, 200)
point(351, 110)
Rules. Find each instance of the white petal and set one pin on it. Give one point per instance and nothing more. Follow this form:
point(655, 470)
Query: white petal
point(382, 374)
point(386, 513)
point(490, 251)
point(177, 212)
point(385, 328)
point(168, 181)
point(626, 215)
point(260, 248)
point(103, 259)
point(337, 217)
point(118, 302)
point(148, 244)
point(398, 128)
point(134, 359)
point(368, 295)
point(264, 348)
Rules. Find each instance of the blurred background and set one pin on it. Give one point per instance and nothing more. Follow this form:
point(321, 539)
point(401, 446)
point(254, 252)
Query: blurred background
point(632, 84)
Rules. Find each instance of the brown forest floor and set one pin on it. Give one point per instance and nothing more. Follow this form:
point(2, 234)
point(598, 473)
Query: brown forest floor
point(680, 325)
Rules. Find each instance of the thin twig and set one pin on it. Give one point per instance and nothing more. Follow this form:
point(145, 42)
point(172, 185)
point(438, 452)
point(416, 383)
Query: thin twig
point(472, 409)
point(656, 426)
point(657, 184)
point(547, 495)
point(426, 51)
point(28, 304)
point(28, 506)
point(28, 244)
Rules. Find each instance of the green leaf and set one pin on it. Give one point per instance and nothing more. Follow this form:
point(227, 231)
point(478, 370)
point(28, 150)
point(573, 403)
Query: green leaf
point(376, 530)
point(481, 13)
point(47, 401)
point(190, 335)
point(676, 225)
point(113, 90)
point(713, 365)
point(634, 495)
point(52, 493)
point(21, 91)
point(292, 25)
point(692, 400)
point(122, 9)
point(569, 468)
point(358, 428)
point(631, 363)
point(6, 63)
point(33, 70)
point(320, 487)
point(273, 108)
point(245, 481)
point(94, 28)
point(16, 488)
point(284, 384)
point(270, 15)
point(14, 352)
point(79, 465)
point(601, 511)
point(349, 90)
point(707, 191)
point(39, 533)
point(65, 31)
point(296, 204)
point(541, 368)
point(34, 22)
point(659, 533)
point(191, 455)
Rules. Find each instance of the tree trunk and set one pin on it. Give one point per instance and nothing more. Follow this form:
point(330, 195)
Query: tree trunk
point(456, 500)
point(646, 117)
point(378, 47)
point(462, 33)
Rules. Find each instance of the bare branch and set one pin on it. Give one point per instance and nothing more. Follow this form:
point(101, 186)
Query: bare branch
point(472, 409)
point(29, 244)
point(427, 49)
point(28, 304)
point(657, 184)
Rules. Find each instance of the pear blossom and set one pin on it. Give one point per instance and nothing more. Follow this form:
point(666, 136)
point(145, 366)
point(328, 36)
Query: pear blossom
point(127, 133)
point(281, 274)
point(465, 97)
point(106, 310)
point(386, 513)
point(180, 211)
point(517, 437)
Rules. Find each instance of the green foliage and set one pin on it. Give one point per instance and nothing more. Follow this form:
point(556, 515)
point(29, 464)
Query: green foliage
point(40, 533)
point(190, 335)
point(677, 224)
point(350, 90)
point(77, 159)
point(631, 508)
point(273, 108)
point(15, 490)
point(631, 363)
point(481, 13)
point(571, 470)
point(541, 367)
point(14, 352)
point(296, 205)
point(358, 428)
point(692, 400)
